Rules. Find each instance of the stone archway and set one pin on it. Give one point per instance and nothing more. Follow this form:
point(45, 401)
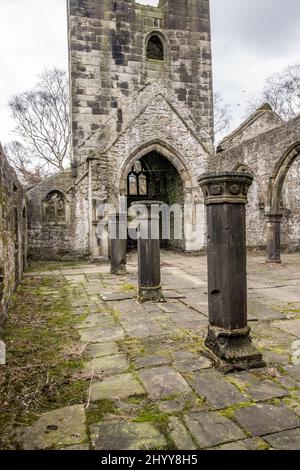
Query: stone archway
point(167, 151)
point(171, 161)
point(275, 213)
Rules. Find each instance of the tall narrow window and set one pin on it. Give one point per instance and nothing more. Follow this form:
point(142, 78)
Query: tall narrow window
point(55, 208)
point(155, 48)
point(137, 181)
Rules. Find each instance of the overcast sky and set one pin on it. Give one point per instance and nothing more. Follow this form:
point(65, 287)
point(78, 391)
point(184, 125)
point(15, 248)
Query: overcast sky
point(251, 40)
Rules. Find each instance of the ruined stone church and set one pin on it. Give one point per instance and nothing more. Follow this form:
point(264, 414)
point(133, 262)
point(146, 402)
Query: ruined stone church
point(142, 127)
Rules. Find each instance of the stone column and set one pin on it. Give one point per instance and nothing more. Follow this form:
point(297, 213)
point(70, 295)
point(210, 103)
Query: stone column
point(228, 333)
point(149, 250)
point(118, 244)
point(273, 238)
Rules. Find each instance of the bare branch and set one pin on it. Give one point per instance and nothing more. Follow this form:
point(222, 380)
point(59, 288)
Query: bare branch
point(29, 170)
point(223, 117)
point(42, 121)
point(282, 92)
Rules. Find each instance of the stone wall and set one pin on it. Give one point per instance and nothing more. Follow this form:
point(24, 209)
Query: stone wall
point(51, 209)
point(269, 155)
point(125, 104)
point(13, 236)
point(109, 67)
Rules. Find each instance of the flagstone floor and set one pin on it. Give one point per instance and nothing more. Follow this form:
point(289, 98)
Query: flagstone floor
point(147, 372)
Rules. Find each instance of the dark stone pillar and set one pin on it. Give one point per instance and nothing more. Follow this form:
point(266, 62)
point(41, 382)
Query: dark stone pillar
point(149, 250)
point(118, 244)
point(273, 238)
point(228, 333)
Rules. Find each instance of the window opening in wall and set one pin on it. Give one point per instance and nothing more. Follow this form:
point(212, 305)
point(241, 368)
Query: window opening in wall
point(55, 208)
point(137, 181)
point(155, 48)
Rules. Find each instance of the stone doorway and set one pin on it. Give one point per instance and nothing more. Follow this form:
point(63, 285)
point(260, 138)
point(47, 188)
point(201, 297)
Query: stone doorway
point(153, 177)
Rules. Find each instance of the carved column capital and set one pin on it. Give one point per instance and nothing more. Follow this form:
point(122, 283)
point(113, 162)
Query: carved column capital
point(225, 187)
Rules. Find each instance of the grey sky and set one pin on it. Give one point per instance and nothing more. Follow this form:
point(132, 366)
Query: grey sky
point(251, 40)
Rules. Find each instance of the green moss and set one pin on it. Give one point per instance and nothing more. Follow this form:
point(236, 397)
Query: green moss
point(290, 308)
point(116, 315)
point(126, 287)
point(97, 411)
point(135, 400)
point(263, 446)
point(41, 266)
point(281, 370)
point(230, 411)
point(188, 341)
point(242, 387)
point(42, 353)
point(133, 347)
point(151, 414)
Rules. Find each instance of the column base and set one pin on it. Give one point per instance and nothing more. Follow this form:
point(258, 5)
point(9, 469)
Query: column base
point(119, 270)
point(273, 261)
point(232, 350)
point(151, 294)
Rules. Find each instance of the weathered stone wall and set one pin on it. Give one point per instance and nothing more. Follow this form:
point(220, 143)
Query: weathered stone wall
point(109, 68)
point(264, 155)
point(122, 102)
point(51, 231)
point(262, 120)
point(13, 236)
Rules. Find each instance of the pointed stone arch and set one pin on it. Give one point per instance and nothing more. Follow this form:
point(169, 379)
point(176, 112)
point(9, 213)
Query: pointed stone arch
point(275, 213)
point(279, 174)
point(167, 151)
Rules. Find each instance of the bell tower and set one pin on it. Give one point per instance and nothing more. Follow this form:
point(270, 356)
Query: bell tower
point(119, 47)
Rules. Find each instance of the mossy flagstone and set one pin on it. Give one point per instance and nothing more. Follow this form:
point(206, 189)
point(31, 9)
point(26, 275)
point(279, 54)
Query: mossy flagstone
point(265, 419)
point(107, 365)
point(185, 361)
point(212, 429)
point(290, 326)
point(59, 428)
point(215, 389)
point(120, 435)
point(285, 440)
point(97, 320)
point(180, 435)
point(101, 334)
point(102, 349)
point(266, 390)
point(162, 382)
point(151, 361)
point(116, 387)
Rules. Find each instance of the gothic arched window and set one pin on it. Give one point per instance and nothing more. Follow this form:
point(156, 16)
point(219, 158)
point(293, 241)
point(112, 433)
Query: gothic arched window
point(137, 181)
point(155, 48)
point(55, 209)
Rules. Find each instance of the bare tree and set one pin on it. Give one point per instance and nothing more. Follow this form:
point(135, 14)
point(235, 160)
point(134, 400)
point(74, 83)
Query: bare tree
point(29, 170)
point(42, 124)
point(282, 92)
point(222, 116)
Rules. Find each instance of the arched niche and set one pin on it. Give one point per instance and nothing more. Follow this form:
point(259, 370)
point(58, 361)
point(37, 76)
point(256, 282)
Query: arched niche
point(55, 209)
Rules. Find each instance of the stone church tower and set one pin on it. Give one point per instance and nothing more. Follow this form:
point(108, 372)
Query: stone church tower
point(142, 121)
point(142, 126)
point(141, 87)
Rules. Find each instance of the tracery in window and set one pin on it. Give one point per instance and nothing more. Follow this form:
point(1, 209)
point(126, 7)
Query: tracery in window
point(137, 181)
point(55, 208)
